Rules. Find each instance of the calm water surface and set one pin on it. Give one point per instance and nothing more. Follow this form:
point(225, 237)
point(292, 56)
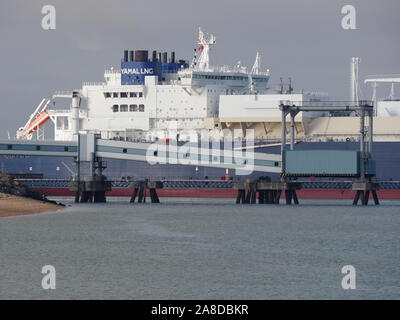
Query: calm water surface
point(203, 249)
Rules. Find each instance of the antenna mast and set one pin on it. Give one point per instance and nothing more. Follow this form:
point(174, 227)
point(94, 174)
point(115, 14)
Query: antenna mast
point(257, 64)
point(254, 70)
point(205, 42)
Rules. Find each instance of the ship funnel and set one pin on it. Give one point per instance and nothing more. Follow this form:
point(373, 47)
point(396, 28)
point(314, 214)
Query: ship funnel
point(141, 55)
point(131, 59)
point(172, 57)
point(154, 56)
point(164, 57)
point(125, 55)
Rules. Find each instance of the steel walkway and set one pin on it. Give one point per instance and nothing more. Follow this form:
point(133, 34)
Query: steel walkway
point(90, 146)
point(206, 184)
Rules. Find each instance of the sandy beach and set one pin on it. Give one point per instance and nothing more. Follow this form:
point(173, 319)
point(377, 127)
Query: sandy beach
point(11, 205)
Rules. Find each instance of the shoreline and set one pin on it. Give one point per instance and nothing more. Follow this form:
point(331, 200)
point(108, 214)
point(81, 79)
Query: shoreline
point(11, 205)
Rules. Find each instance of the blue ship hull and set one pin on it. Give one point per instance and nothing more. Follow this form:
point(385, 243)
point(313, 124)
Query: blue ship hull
point(386, 155)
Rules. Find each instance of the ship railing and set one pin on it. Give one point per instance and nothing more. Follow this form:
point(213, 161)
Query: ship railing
point(93, 83)
point(225, 69)
point(53, 111)
point(315, 93)
point(112, 71)
point(64, 93)
point(177, 179)
point(65, 111)
point(328, 103)
point(170, 70)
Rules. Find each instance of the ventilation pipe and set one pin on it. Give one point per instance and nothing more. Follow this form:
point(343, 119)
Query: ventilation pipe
point(75, 113)
point(354, 94)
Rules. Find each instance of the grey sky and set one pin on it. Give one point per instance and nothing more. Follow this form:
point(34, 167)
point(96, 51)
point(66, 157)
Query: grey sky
point(298, 38)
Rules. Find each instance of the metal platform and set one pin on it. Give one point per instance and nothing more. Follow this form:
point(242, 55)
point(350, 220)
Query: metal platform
point(207, 184)
point(290, 163)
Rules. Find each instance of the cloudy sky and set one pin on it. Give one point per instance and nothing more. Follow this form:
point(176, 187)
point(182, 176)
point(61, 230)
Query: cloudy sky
point(302, 39)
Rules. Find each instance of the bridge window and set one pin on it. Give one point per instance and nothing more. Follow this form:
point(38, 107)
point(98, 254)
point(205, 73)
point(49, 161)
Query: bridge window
point(59, 125)
point(124, 94)
point(123, 108)
point(62, 123)
point(132, 94)
point(9, 147)
point(115, 108)
point(124, 150)
point(133, 108)
point(141, 107)
point(140, 94)
point(107, 94)
point(38, 148)
point(115, 94)
point(65, 148)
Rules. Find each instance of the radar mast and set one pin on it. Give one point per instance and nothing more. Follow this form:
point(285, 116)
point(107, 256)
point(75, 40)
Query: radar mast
point(205, 42)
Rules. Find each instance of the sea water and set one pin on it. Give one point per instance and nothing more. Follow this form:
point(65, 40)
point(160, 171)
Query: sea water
point(203, 249)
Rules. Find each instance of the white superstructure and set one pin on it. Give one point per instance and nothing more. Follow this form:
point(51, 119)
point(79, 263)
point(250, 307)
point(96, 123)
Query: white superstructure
point(182, 99)
point(149, 99)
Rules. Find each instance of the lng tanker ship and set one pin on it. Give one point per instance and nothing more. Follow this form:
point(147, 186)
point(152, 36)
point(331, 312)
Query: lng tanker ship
point(152, 97)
